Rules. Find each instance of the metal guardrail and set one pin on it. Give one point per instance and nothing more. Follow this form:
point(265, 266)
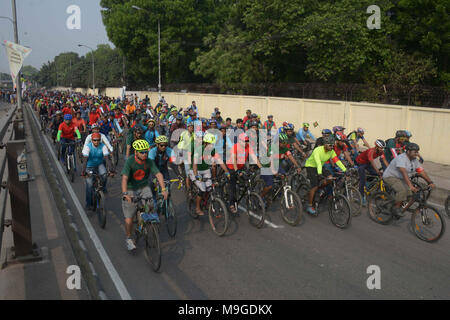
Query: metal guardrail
point(5, 135)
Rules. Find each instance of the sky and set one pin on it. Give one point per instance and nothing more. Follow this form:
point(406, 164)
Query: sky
point(42, 27)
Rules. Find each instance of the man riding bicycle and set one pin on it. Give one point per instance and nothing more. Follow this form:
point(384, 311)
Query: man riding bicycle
point(314, 165)
point(66, 134)
point(96, 153)
point(135, 176)
point(398, 173)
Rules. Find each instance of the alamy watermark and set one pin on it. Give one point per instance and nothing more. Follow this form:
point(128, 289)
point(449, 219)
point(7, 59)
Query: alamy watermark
point(73, 22)
point(74, 280)
point(374, 280)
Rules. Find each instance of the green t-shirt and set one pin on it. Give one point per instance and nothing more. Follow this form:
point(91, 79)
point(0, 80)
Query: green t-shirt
point(201, 155)
point(319, 156)
point(138, 174)
point(282, 151)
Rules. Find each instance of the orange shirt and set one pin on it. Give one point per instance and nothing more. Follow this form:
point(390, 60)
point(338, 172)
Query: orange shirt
point(130, 109)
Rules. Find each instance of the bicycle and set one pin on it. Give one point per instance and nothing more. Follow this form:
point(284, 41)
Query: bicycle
point(382, 203)
point(339, 209)
point(352, 193)
point(44, 123)
point(115, 144)
point(166, 208)
point(70, 159)
point(290, 203)
point(246, 184)
point(98, 198)
point(148, 229)
point(217, 210)
point(79, 152)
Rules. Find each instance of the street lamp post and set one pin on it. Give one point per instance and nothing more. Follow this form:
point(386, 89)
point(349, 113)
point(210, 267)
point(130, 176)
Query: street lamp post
point(159, 52)
point(93, 68)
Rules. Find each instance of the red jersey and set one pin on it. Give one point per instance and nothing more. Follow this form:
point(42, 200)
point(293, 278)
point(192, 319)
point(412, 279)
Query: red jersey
point(241, 156)
point(67, 131)
point(369, 155)
point(93, 117)
point(66, 110)
point(80, 124)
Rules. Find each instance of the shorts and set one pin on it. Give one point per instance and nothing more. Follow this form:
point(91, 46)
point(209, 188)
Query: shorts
point(401, 189)
point(129, 209)
point(313, 176)
point(206, 183)
point(268, 180)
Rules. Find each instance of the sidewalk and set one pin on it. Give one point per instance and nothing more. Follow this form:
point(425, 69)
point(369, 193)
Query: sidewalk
point(45, 279)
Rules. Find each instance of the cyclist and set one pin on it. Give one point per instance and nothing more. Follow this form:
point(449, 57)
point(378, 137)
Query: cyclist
point(365, 161)
point(408, 137)
point(394, 146)
point(314, 165)
point(238, 156)
point(96, 129)
point(161, 154)
point(353, 138)
point(55, 123)
point(178, 124)
point(135, 176)
point(66, 134)
point(96, 153)
point(136, 134)
point(283, 155)
point(43, 113)
point(304, 134)
point(398, 173)
point(293, 143)
point(319, 141)
point(80, 124)
point(269, 124)
point(151, 134)
point(200, 173)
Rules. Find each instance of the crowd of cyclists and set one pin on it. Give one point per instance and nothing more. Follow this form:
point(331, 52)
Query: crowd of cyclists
point(154, 138)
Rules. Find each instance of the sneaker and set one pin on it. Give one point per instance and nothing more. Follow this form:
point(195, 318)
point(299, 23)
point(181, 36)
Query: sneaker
point(130, 244)
point(311, 210)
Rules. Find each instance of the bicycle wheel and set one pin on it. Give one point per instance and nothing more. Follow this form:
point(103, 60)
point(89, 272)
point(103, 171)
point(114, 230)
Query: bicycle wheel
point(218, 216)
point(379, 207)
point(80, 153)
point(116, 154)
point(428, 224)
point(291, 208)
point(256, 210)
point(447, 206)
point(71, 168)
point(171, 218)
point(340, 212)
point(301, 186)
point(355, 200)
point(100, 209)
point(152, 246)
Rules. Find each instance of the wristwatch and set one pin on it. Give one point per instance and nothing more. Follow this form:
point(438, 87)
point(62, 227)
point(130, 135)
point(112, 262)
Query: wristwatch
point(125, 193)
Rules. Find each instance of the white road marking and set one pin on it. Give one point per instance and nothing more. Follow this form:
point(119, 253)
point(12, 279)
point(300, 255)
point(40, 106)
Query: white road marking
point(120, 286)
point(270, 224)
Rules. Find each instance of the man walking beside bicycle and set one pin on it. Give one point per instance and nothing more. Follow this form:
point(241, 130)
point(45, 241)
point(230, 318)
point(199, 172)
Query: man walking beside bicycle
point(135, 177)
point(398, 173)
point(95, 153)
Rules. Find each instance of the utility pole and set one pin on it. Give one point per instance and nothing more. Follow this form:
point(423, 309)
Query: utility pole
point(16, 40)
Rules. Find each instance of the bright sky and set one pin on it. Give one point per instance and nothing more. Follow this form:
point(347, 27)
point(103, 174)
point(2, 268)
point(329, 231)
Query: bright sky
point(42, 27)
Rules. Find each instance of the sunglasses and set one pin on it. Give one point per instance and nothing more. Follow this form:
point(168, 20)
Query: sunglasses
point(95, 140)
point(329, 145)
point(163, 145)
point(143, 152)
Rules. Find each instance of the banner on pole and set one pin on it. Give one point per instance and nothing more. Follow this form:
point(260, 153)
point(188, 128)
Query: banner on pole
point(16, 55)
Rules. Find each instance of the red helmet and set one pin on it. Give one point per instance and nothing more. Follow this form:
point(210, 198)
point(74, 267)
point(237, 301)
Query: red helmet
point(340, 136)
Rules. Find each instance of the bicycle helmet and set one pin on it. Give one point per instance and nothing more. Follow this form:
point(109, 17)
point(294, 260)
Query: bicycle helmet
point(338, 128)
point(179, 117)
point(141, 145)
point(412, 147)
point(400, 134)
point(253, 124)
point(306, 124)
point(95, 126)
point(329, 140)
point(139, 129)
point(283, 137)
point(326, 131)
point(254, 115)
point(151, 120)
point(360, 130)
point(96, 135)
point(380, 143)
point(340, 136)
point(209, 138)
point(161, 139)
point(67, 117)
point(408, 134)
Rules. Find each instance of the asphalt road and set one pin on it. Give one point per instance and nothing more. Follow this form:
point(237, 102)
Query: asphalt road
point(315, 260)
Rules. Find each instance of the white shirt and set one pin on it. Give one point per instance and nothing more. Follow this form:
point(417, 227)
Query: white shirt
point(104, 140)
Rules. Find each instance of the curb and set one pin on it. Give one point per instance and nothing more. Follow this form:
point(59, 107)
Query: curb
point(72, 229)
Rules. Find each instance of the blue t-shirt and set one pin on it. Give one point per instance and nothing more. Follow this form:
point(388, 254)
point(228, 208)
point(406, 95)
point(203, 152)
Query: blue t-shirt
point(161, 159)
point(150, 136)
point(95, 155)
point(302, 135)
